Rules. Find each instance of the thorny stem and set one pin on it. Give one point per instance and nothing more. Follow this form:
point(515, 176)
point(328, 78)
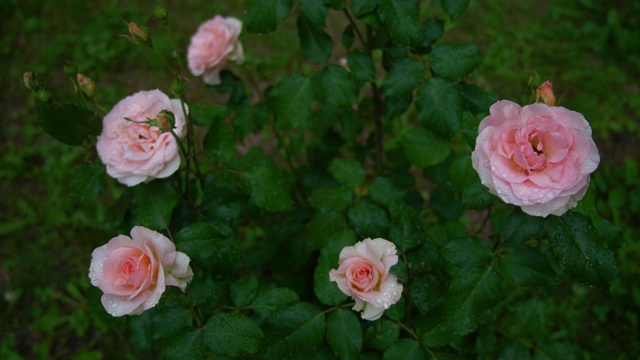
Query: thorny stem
point(415, 336)
point(338, 307)
point(191, 139)
point(195, 316)
point(175, 47)
point(377, 107)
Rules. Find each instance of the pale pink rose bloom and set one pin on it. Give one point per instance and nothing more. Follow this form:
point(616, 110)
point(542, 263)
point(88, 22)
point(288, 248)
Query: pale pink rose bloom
point(215, 42)
point(537, 157)
point(134, 153)
point(134, 271)
point(363, 274)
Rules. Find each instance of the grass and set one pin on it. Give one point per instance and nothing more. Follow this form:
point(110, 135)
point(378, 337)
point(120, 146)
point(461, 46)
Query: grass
point(590, 51)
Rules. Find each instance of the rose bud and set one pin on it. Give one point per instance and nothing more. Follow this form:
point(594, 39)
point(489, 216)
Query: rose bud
point(86, 85)
point(544, 93)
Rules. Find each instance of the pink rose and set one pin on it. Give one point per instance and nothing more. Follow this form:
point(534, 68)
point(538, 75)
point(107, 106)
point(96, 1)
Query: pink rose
point(537, 157)
point(135, 152)
point(363, 274)
point(215, 42)
point(134, 271)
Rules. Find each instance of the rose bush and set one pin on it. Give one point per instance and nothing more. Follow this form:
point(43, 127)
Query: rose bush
point(134, 271)
point(215, 42)
point(363, 274)
point(135, 152)
point(537, 157)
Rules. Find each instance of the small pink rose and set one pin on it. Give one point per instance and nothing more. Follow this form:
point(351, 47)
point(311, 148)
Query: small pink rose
point(363, 274)
point(134, 271)
point(134, 152)
point(537, 157)
point(215, 42)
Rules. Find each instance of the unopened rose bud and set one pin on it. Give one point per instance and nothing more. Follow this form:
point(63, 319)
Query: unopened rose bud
point(139, 34)
point(31, 81)
point(86, 85)
point(165, 120)
point(70, 69)
point(161, 13)
point(544, 93)
point(177, 86)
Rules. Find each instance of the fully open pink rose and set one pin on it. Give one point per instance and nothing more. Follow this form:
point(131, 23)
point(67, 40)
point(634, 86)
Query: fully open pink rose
point(363, 274)
point(134, 271)
point(215, 42)
point(537, 157)
point(135, 152)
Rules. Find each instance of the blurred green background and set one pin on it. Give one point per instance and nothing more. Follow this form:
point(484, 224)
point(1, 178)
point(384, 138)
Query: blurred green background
point(590, 49)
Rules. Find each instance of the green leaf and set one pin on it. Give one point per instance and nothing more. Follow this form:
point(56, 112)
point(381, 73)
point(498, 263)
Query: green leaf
point(244, 291)
point(397, 105)
point(525, 266)
point(407, 230)
point(426, 292)
point(454, 8)
point(579, 250)
point(187, 345)
point(368, 219)
point(315, 43)
point(69, 123)
point(232, 334)
point(338, 85)
point(327, 291)
point(445, 202)
point(87, 184)
point(164, 321)
point(381, 334)
point(403, 77)
point(335, 198)
point(203, 244)
point(324, 226)
point(472, 291)
point(269, 190)
point(477, 196)
point(263, 16)
point(155, 202)
point(218, 144)
point(291, 100)
point(405, 349)
point(344, 334)
point(208, 114)
point(384, 191)
point(454, 61)
point(430, 32)
point(296, 329)
point(461, 173)
point(348, 171)
point(519, 228)
point(200, 290)
point(470, 128)
point(336, 4)
point(423, 148)
point(361, 66)
point(475, 100)
point(361, 8)
point(314, 11)
point(467, 252)
point(439, 107)
point(400, 19)
point(271, 300)
point(348, 37)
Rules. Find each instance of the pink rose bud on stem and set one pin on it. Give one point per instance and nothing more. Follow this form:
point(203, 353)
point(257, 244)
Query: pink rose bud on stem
point(537, 157)
point(87, 85)
point(544, 94)
point(138, 34)
point(363, 274)
point(133, 272)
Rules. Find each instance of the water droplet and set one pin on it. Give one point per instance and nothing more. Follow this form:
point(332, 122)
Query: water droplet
point(549, 195)
point(378, 301)
point(114, 305)
point(386, 305)
point(493, 168)
point(395, 293)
